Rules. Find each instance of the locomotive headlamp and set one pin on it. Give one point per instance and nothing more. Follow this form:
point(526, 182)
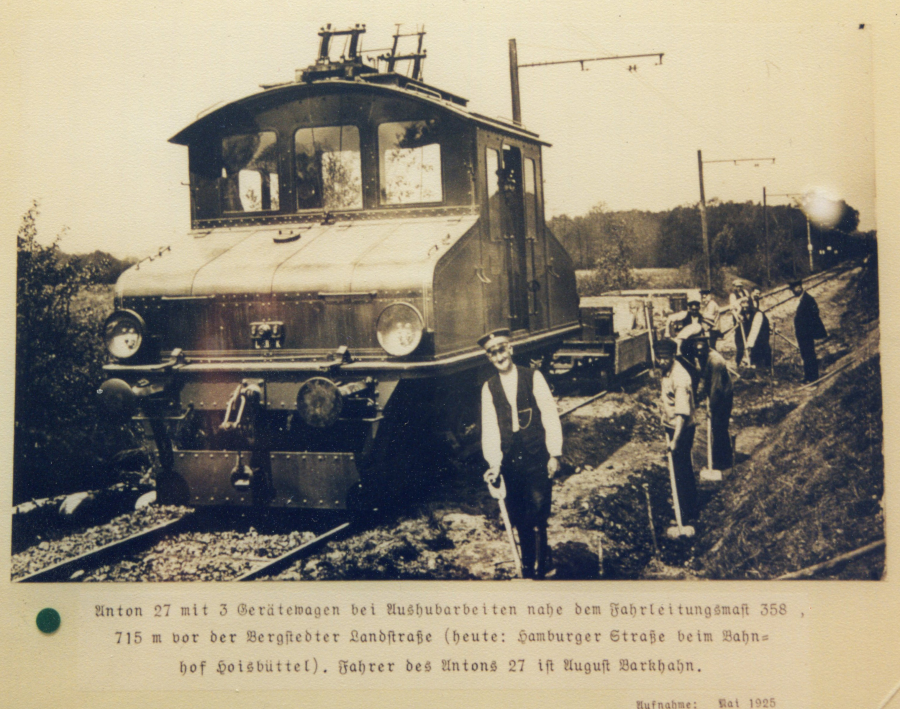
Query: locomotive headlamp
point(399, 329)
point(123, 333)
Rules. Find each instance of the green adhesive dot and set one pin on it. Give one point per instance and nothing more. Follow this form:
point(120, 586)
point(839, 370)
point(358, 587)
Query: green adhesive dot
point(48, 620)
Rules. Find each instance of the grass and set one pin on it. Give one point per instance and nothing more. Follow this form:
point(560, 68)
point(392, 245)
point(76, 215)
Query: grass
point(813, 493)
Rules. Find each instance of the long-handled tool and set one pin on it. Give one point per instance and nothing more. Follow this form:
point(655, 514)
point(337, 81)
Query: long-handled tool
point(679, 530)
point(786, 339)
point(744, 337)
point(709, 472)
point(652, 527)
point(651, 331)
point(499, 494)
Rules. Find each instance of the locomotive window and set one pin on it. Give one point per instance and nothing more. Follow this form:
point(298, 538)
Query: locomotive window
point(410, 163)
point(530, 200)
point(249, 178)
point(493, 191)
point(328, 168)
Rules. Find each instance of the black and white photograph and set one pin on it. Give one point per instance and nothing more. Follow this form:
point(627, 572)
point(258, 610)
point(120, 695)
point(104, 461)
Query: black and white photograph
point(387, 297)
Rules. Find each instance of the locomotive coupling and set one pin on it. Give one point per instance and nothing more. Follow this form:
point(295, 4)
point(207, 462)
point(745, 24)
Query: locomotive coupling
point(248, 390)
point(241, 476)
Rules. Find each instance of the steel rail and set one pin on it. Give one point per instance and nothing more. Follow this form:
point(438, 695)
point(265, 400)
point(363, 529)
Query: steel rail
point(584, 403)
point(829, 275)
point(276, 565)
point(63, 570)
point(810, 571)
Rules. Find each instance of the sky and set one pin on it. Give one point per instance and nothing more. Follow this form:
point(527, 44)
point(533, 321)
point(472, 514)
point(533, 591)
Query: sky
point(98, 91)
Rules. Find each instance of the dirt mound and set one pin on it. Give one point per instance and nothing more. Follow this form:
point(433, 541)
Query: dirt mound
point(813, 492)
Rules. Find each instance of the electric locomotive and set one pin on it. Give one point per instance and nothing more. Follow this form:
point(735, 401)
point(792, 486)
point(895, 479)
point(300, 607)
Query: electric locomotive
point(311, 343)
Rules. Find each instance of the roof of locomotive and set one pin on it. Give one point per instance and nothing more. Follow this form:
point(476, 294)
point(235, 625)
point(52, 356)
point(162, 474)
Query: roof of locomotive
point(375, 83)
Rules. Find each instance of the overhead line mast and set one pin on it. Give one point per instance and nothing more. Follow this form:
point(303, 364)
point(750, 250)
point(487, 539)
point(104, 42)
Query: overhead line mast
point(704, 228)
point(514, 67)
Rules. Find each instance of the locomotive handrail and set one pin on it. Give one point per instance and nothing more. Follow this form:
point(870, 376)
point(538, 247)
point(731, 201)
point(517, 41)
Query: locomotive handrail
point(187, 297)
point(347, 294)
point(479, 273)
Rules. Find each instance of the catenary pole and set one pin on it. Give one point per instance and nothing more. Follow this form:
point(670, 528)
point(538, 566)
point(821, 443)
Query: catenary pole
point(704, 228)
point(514, 67)
point(766, 224)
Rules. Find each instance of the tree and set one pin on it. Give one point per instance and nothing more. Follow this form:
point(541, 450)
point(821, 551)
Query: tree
point(58, 443)
point(611, 252)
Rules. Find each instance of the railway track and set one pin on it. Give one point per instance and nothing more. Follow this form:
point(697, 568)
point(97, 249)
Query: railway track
point(135, 544)
point(63, 570)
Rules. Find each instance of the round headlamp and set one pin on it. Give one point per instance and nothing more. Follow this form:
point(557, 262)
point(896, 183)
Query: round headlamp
point(123, 333)
point(399, 329)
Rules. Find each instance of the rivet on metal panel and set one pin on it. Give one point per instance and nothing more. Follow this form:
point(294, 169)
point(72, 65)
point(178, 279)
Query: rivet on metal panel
point(181, 455)
point(305, 500)
point(321, 457)
point(196, 455)
point(321, 502)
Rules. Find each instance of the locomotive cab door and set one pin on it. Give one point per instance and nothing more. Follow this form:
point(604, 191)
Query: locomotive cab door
point(506, 205)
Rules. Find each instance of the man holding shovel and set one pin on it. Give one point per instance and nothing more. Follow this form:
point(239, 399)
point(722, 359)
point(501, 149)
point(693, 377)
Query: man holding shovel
point(521, 439)
point(715, 385)
point(677, 408)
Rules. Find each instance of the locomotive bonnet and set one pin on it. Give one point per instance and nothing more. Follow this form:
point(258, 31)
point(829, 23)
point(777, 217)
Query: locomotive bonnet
point(312, 342)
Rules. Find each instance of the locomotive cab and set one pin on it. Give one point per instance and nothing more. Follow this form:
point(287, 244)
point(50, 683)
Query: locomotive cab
point(312, 339)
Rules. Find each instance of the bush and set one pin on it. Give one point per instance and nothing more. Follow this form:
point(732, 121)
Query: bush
point(60, 445)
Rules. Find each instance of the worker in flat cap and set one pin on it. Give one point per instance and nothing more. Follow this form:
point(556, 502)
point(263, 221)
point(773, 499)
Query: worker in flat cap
point(678, 321)
point(738, 292)
point(756, 297)
point(808, 328)
point(521, 439)
point(710, 314)
point(677, 412)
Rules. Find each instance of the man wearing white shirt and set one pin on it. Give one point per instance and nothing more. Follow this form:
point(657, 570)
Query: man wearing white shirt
point(521, 438)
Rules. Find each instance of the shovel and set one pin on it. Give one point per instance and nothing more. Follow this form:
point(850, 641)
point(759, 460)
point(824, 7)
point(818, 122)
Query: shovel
point(499, 494)
point(679, 530)
point(709, 472)
point(746, 346)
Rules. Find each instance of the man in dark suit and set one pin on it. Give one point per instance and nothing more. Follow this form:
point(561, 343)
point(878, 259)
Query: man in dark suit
point(808, 328)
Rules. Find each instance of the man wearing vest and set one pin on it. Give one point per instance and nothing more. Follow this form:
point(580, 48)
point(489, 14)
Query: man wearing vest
point(676, 322)
point(714, 383)
point(521, 439)
point(756, 325)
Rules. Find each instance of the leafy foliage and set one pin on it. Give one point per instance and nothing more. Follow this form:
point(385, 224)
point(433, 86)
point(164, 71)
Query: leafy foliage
point(740, 243)
point(58, 446)
point(601, 242)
